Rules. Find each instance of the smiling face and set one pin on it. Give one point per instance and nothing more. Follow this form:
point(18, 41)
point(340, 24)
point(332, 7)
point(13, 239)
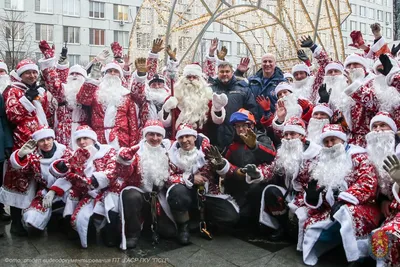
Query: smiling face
point(225, 73)
point(187, 142)
point(154, 139)
point(268, 65)
point(45, 144)
point(300, 75)
point(29, 77)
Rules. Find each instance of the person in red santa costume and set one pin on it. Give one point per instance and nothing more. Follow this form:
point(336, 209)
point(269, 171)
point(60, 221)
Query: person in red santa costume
point(341, 198)
point(113, 117)
point(4, 77)
point(69, 114)
point(24, 110)
point(385, 242)
point(321, 116)
point(34, 159)
point(145, 169)
point(194, 102)
point(85, 177)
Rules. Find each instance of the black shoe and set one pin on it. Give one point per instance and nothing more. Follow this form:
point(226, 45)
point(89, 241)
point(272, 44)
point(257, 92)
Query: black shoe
point(18, 229)
point(183, 233)
point(4, 216)
point(277, 235)
point(131, 242)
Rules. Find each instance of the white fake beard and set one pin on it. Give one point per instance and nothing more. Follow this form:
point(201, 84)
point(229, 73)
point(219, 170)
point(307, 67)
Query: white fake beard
point(333, 166)
point(71, 89)
point(314, 129)
point(388, 96)
point(187, 159)
point(111, 91)
point(379, 146)
point(154, 166)
point(302, 89)
point(338, 98)
point(292, 106)
point(4, 82)
point(193, 98)
point(156, 96)
point(289, 157)
point(356, 74)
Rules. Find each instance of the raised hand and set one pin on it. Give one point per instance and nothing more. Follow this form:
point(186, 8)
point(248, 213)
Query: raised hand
point(95, 73)
point(313, 192)
point(213, 47)
point(215, 157)
point(27, 148)
point(47, 51)
point(376, 30)
point(171, 53)
point(281, 110)
point(357, 39)
point(222, 53)
point(264, 102)
point(323, 94)
point(386, 64)
point(141, 65)
point(392, 165)
point(102, 56)
point(395, 49)
point(64, 51)
point(244, 65)
point(62, 167)
point(127, 61)
point(157, 46)
point(251, 170)
point(249, 138)
point(219, 101)
point(306, 41)
point(304, 104)
point(302, 55)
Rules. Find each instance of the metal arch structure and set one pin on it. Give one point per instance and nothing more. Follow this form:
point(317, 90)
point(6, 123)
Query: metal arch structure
point(261, 25)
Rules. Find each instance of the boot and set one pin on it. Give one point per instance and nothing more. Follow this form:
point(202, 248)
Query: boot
point(110, 231)
point(68, 230)
point(277, 235)
point(16, 224)
point(183, 233)
point(4, 216)
point(131, 242)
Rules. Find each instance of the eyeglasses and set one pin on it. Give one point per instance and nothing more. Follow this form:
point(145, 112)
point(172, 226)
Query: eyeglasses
point(244, 126)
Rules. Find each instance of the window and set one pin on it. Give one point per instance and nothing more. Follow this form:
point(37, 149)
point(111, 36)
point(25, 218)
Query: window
point(121, 12)
point(228, 46)
point(379, 14)
point(389, 17)
point(122, 38)
point(345, 41)
point(344, 26)
point(353, 9)
point(353, 25)
point(96, 10)
point(363, 28)
point(45, 6)
point(371, 13)
point(44, 32)
point(96, 37)
point(74, 59)
point(224, 29)
point(71, 7)
point(241, 49)
point(363, 11)
point(71, 35)
point(143, 40)
point(389, 33)
point(184, 42)
point(17, 56)
point(15, 30)
point(14, 4)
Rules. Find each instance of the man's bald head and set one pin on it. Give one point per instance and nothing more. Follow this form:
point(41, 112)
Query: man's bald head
point(268, 65)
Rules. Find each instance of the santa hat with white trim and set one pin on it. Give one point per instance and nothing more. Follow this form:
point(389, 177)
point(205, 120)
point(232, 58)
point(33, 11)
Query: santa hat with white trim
point(113, 65)
point(287, 75)
point(185, 129)
point(323, 107)
point(154, 126)
point(25, 65)
point(78, 69)
point(193, 69)
point(295, 124)
point(335, 130)
point(378, 63)
point(84, 131)
point(3, 66)
point(385, 117)
point(283, 86)
point(354, 58)
point(334, 66)
point(300, 67)
point(43, 132)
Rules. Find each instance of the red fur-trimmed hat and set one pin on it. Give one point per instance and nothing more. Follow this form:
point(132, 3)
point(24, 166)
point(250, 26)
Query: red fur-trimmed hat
point(295, 124)
point(154, 126)
point(43, 132)
point(323, 107)
point(25, 65)
point(185, 129)
point(335, 130)
point(385, 117)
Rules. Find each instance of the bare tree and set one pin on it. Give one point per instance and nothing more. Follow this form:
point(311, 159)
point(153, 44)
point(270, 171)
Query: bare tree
point(15, 38)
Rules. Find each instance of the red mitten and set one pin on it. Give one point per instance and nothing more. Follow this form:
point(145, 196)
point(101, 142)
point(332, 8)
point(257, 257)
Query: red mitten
point(117, 50)
point(357, 39)
point(128, 153)
point(78, 179)
point(47, 51)
point(303, 103)
point(78, 160)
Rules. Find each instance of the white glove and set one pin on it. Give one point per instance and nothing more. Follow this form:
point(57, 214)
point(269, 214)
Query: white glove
point(170, 104)
point(27, 148)
point(102, 56)
point(392, 165)
point(219, 101)
point(48, 199)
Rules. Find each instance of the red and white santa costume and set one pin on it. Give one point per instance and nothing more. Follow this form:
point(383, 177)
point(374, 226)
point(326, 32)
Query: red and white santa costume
point(315, 126)
point(114, 116)
point(356, 181)
point(69, 113)
point(27, 117)
point(83, 200)
point(36, 167)
point(194, 108)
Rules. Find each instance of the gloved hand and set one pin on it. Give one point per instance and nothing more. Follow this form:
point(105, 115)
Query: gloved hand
point(48, 199)
point(251, 170)
point(376, 30)
point(392, 165)
point(78, 160)
point(357, 39)
point(215, 158)
point(304, 104)
point(102, 56)
point(127, 153)
point(387, 65)
point(47, 51)
point(157, 46)
point(31, 94)
point(264, 102)
point(395, 49)
point(306, 41)
point(219, 101)
point(302, 56)
point(313, 192)
point(62, 167)
point(338, 204)
point(117, 50)
point(222, 53)
point(73, 177)
point(27, 148)
point(171, 53)
point(323, 94)
point(95, 73)
point(170, 104)
point(249, 138)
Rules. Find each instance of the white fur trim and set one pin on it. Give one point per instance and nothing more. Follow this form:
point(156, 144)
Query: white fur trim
point(353, 87)
point(283, 86)
point(154, 129)
point(167, 122)
point(317, 51)
point(337, 134)
point(92, 81)
point(113, 65)
point(378, 45)
point(78, 69)
point(62, 66)
point(334, 66)
point(390, 77)
point(3, 66)
point(266, 218)
point(349, 198)
point(15, 162)
point(139, 79)
point(396, 191)
point(300, 67)
point(324, 109)
point(27, 67)
point(288, 75)
point(225, 169)
point(53, 171)
point(385, 119)
point(353, 58)
point(84, 133)
point(212, 59)
point(294, 128)
point(27, 104)
point(192, 69)
point(185, 131)
point(254, 181)
point(47, 63)
point(153, 55)
point(215, 118)
point(185, 177)
point(43, 133)
point(320, 201)
point(62, 184)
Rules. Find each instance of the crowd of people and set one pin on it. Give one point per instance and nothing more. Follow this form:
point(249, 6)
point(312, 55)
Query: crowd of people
point(310, 154)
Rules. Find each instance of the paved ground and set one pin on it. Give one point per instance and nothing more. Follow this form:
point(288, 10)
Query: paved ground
point(54, 249)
